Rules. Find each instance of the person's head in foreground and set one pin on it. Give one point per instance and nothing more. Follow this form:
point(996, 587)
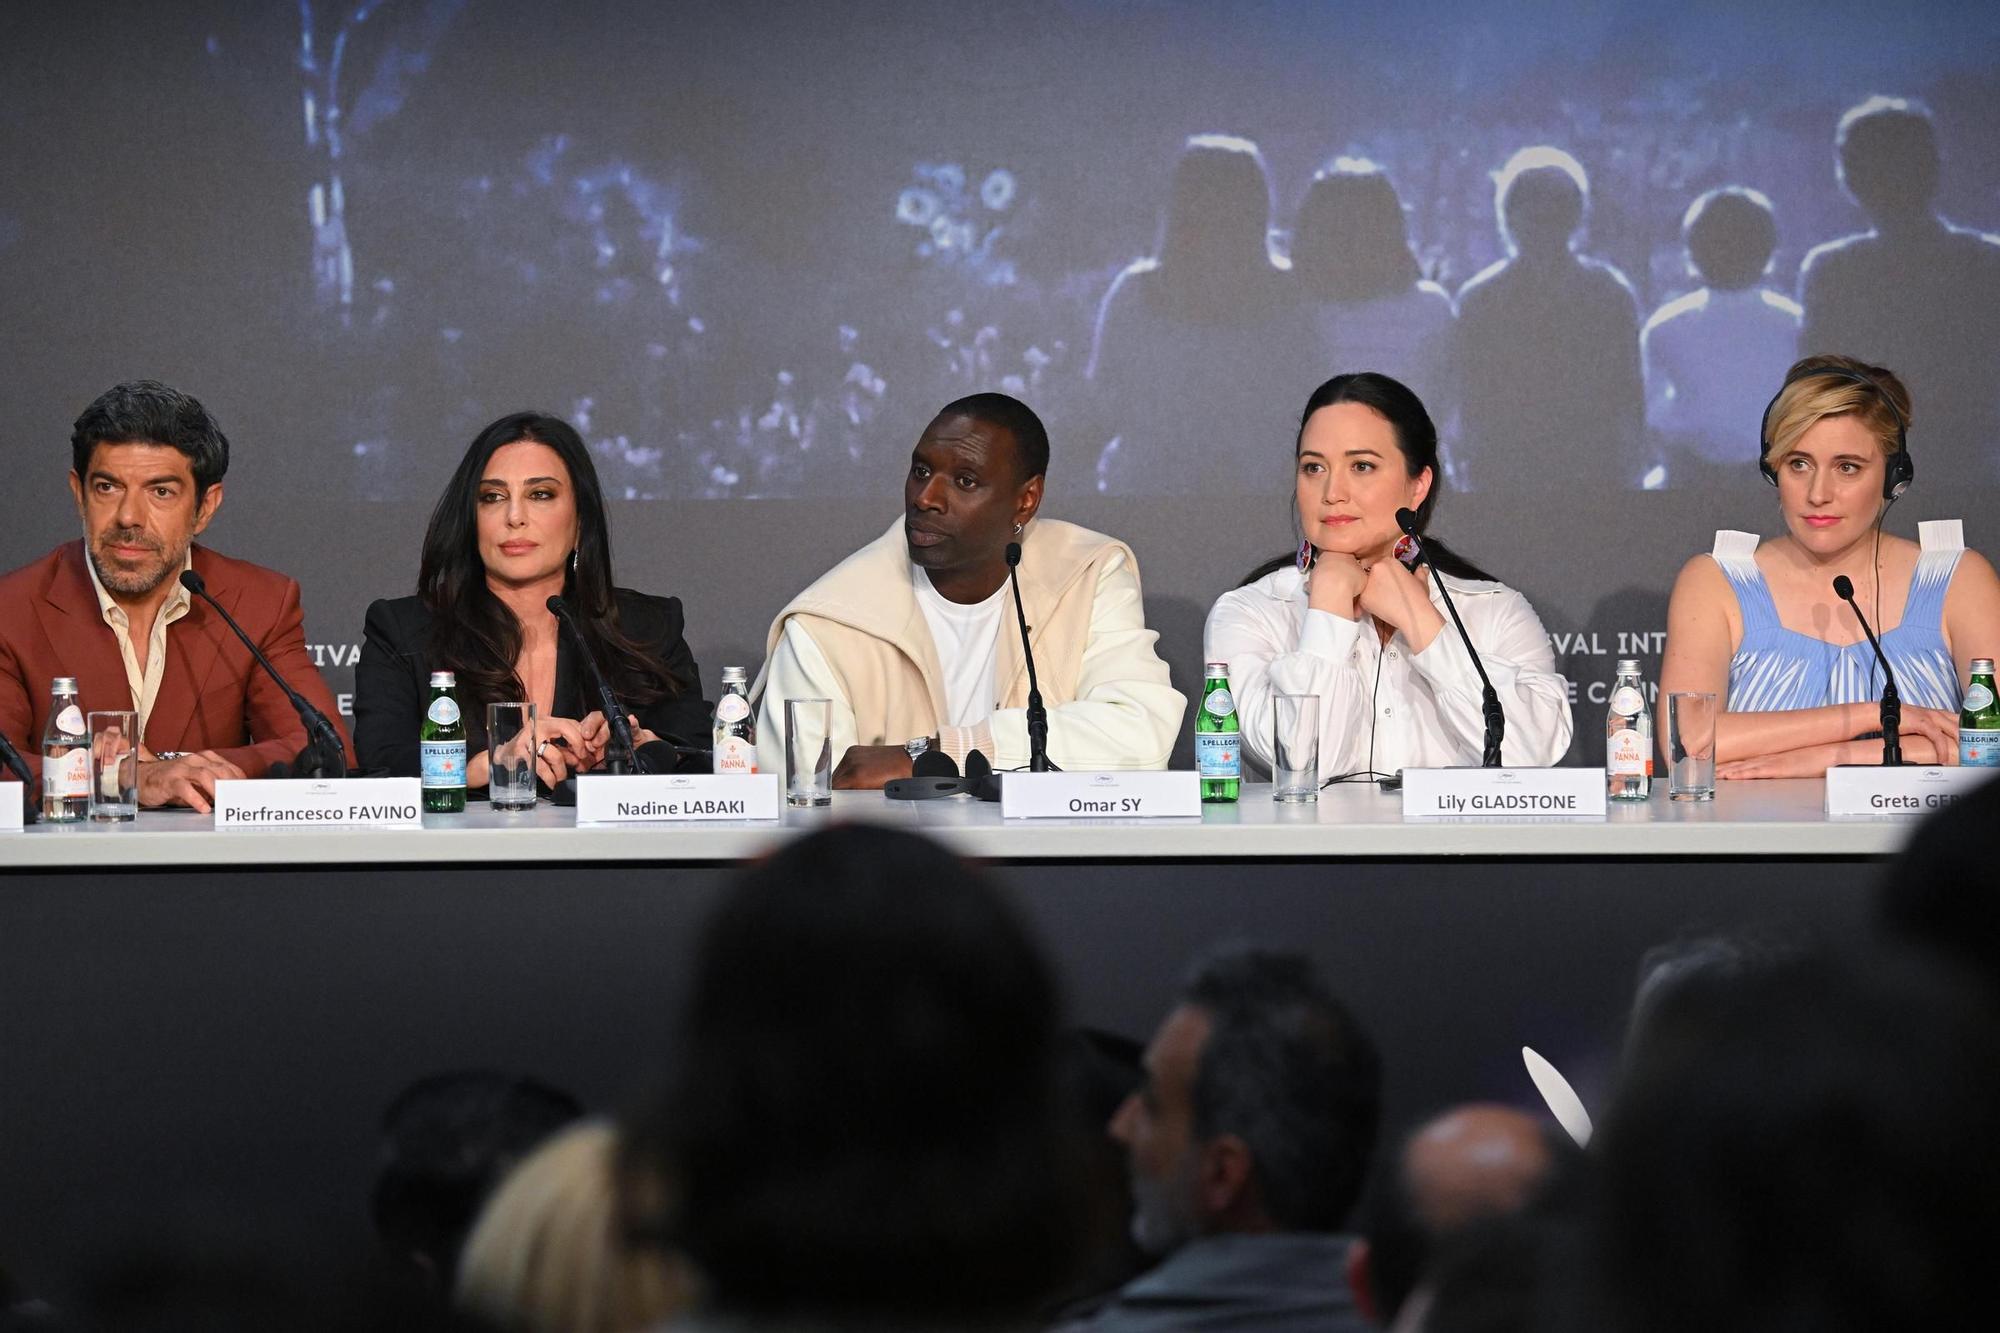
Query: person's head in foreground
point(1259, 1106)
point(867, 1126)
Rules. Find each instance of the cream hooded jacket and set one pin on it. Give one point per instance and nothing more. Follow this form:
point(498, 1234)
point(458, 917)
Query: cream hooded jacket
point(858, 637)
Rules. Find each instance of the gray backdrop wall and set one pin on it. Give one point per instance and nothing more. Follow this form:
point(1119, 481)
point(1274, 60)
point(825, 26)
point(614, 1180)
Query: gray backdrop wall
point(750, 248)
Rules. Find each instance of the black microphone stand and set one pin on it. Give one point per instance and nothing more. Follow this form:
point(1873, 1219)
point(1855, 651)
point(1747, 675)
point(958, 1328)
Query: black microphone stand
point(624, 757)
point(1489, 698)
point(324, 756)
point(1038, 715)
point(1892, 702)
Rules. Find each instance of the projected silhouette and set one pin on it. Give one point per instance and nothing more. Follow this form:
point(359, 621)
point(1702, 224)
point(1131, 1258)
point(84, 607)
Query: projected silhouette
point(1914, 291)
point(1712, 355)
point(1368, 302)
point(1548, 346)
point(1199, 350)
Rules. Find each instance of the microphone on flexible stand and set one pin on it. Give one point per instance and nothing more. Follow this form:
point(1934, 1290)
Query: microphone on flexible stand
point(1038, 716)
point(11, 757)
point(625, 756)
point(1892, 702)
point(324, 756)
point(1496, 718)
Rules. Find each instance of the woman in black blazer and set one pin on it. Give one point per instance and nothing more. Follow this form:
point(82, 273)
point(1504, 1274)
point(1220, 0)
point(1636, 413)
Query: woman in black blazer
point(522, 519)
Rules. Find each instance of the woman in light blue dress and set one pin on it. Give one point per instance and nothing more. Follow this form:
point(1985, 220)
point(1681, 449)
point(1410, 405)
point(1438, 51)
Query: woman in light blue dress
point(1759, 623)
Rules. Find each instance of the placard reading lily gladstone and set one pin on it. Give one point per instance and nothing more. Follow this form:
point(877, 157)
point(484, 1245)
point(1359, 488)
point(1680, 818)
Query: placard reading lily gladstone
point(319, 803)
point(1503, 793)
point(674, 798)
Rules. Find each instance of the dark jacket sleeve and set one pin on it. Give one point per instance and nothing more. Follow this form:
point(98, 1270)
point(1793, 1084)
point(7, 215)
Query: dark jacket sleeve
point(389, 688)
point(656, 624)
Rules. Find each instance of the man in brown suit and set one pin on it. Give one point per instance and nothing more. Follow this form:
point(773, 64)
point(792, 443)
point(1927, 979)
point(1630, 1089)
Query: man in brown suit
point(147, 464)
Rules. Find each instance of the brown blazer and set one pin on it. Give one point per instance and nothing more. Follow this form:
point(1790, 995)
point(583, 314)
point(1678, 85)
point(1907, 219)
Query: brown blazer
point(213, 695)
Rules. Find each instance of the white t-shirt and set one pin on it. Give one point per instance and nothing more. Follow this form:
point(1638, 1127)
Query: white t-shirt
point(966, 636)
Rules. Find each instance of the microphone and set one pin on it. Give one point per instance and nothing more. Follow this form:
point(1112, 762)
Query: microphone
point(625, 757)
point(1892, 702)
point(1038, 716)
point(323, 756)
point(1489, 703)
point(11, 757)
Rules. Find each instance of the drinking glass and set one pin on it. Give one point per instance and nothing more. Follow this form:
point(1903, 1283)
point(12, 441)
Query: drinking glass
point(1295, 749)
point(1691, 746)
point(510, 756)
point(114, 765)
point(808, 752)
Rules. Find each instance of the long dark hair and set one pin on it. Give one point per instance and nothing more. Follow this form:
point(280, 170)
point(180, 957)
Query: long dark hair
point(1214, 254)
point(1416, 436)
point(472, 632)
point(1351, 241)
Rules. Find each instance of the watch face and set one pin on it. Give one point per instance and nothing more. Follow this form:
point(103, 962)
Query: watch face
point(917, 746)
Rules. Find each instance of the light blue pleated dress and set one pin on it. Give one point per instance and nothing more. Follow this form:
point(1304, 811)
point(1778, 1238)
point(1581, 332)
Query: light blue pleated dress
point(1778, 668)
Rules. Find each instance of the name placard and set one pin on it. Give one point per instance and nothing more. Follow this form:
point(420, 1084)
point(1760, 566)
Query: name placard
point(11, 808)
point(1503, 793)
point(1863, 789)
point(1149, 795)
point(319, 803)
point(673, 798)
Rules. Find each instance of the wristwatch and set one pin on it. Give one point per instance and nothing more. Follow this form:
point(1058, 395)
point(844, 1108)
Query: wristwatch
point(915, 747)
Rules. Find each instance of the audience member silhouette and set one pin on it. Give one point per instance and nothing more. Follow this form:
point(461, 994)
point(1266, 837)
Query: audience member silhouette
point(867, 1128)
point(1712, 355)
point(1939, 894)
point(1548, 346)
point(549, 1255)
point(447, 1142)
point(1914, 291)
point(1806, 1145)
point(1199, 348)
point(1248, 1142)
point(1366, 297)
point(1468, 1165)
point(1101, 1071)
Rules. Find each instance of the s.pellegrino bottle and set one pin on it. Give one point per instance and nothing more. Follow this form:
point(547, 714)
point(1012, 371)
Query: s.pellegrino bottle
point(1979, 719)
point(65, 757)
point(735, 725)
point(1218, 739)
point(442, 743)
point(1628, 736)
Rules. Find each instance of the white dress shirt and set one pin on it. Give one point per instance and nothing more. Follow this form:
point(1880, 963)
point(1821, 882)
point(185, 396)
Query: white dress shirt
point(1418, 710)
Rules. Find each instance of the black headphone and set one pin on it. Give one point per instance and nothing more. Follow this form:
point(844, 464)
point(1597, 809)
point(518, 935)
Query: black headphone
point(1902, 469)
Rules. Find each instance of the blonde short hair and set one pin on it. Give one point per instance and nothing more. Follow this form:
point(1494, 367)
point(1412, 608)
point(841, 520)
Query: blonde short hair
point(1809, 397)
point(546, 1255)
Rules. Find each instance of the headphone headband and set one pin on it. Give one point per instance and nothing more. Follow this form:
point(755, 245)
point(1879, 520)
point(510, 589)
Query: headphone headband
point(1902, 469)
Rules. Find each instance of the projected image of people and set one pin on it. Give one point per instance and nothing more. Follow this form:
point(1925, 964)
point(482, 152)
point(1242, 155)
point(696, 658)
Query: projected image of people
point(1913, 291)
point(1366, 296)
point(1548, 344)
point(1199, 347)
point(747, 257)
point(1711, 355)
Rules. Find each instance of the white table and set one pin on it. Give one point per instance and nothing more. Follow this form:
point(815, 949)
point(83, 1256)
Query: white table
point(1747, 819)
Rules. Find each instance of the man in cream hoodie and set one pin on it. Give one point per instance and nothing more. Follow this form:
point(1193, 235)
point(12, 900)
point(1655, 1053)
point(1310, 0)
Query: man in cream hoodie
point(914, 639)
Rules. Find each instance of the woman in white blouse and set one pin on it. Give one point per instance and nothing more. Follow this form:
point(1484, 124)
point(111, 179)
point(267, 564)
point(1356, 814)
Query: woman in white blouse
point(1349, 623)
